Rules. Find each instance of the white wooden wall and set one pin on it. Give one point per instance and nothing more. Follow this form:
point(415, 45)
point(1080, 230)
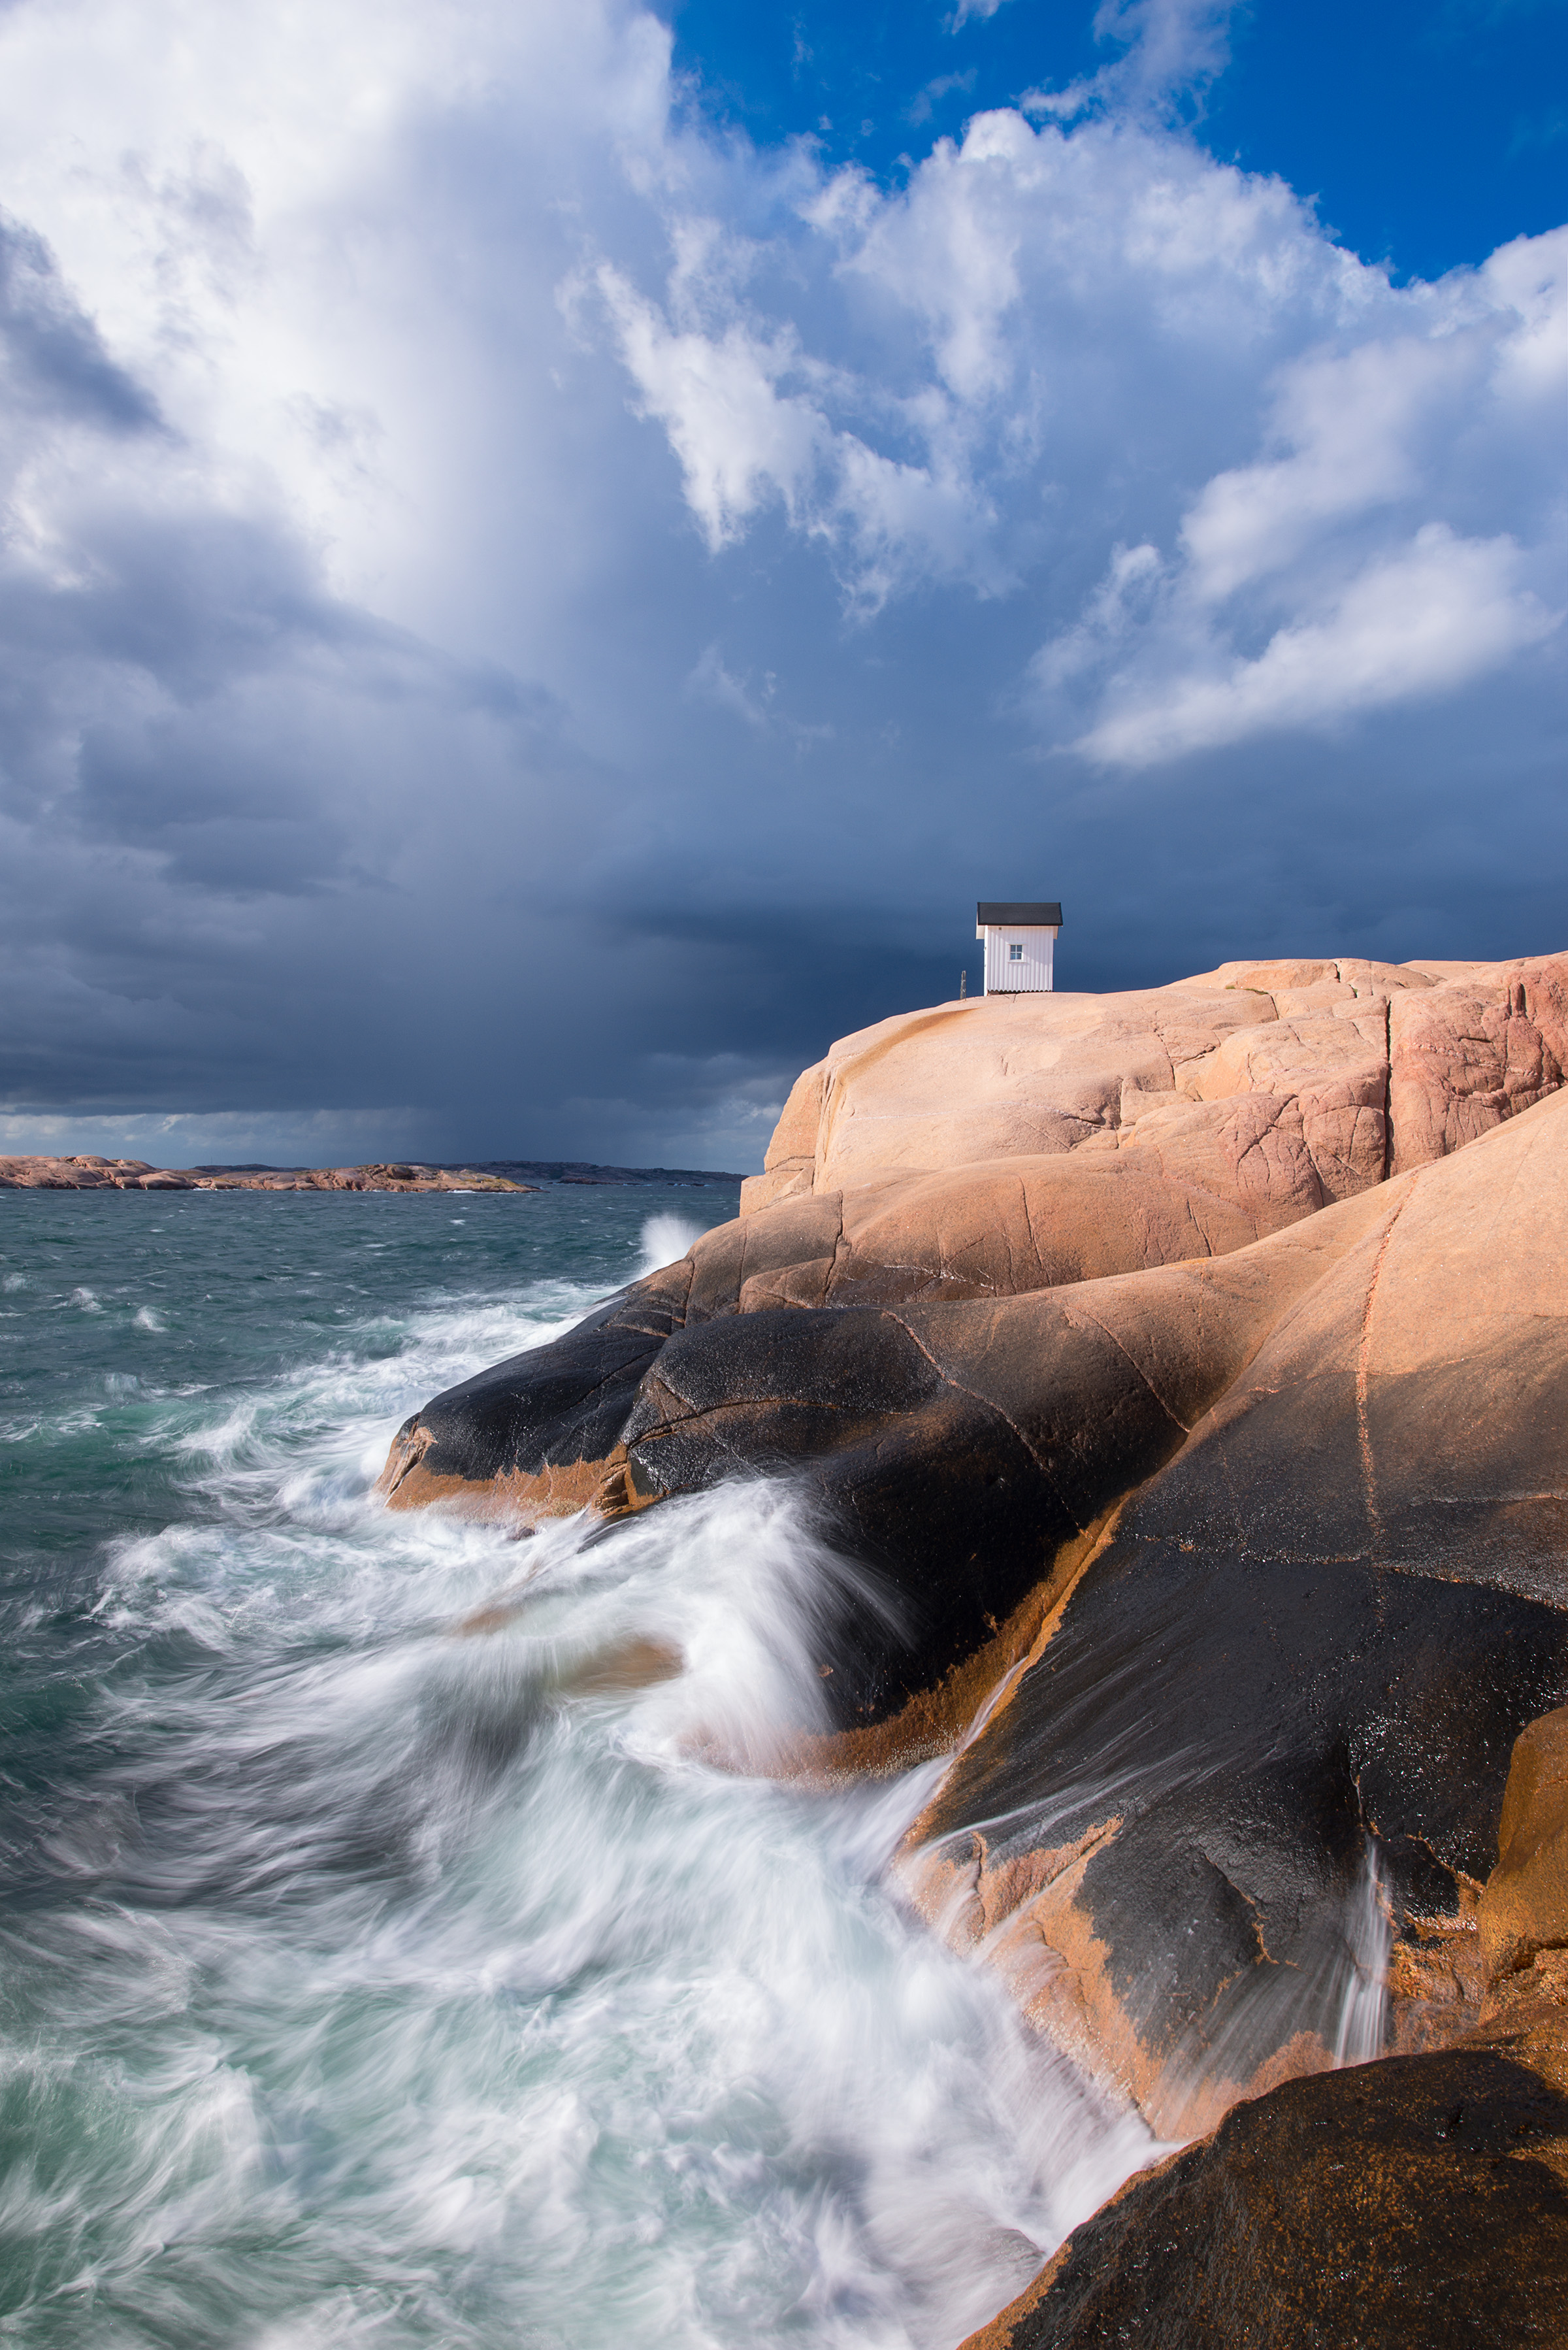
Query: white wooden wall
point(1005, 977)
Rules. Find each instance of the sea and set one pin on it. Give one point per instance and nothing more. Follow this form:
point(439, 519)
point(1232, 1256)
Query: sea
point(383, 1961)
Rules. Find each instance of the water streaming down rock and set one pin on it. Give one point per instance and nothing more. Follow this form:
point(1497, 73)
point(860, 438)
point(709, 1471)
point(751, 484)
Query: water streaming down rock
point(1363, 2003)
point(401, 1949)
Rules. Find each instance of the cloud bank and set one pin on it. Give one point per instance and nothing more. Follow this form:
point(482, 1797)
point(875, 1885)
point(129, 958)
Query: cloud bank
point(515, 605)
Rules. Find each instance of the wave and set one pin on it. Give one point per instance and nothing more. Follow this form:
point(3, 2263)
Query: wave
point(666, 1238)
point(419, 1956)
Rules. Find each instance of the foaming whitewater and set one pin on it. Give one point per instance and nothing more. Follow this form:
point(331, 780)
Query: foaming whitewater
point(665, 1238)
point(407, 1947)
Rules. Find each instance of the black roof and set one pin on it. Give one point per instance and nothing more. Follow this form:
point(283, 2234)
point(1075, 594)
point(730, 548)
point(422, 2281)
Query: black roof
point(1017, 915)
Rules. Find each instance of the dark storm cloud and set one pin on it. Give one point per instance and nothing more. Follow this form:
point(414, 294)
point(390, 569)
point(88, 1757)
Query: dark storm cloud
point(52, 358)
point(523, 620)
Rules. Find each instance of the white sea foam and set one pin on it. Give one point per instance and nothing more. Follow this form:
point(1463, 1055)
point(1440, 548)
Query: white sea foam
point(664, 1239)
point(431, 1987)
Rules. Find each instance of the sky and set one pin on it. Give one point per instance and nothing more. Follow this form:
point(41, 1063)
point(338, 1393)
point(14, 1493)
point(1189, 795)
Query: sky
point(550, 555)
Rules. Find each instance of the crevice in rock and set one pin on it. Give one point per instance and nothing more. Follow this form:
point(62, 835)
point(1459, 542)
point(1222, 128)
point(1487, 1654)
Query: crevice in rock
point(1080, 1312)
point(989, 1404)
point(1362, 1382)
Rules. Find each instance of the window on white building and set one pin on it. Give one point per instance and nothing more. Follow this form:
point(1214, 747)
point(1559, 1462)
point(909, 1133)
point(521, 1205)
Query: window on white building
point(1015, 954)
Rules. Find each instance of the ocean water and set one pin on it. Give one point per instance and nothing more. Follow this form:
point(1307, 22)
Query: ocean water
point(368, 1978)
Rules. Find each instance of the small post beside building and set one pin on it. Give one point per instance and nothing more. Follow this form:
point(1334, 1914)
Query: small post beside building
point(1019, 938)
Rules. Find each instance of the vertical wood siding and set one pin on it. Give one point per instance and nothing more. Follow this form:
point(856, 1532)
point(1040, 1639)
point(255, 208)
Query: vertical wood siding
point(1004, 977)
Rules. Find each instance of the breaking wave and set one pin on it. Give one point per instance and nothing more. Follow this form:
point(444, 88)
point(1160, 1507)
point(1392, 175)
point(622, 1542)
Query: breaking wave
point(390, 1959)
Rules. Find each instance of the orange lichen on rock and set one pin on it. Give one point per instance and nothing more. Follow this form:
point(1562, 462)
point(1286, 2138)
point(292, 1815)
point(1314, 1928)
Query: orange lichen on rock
point(1524, 1906)
point(1437, 1978)
point(553, 1490)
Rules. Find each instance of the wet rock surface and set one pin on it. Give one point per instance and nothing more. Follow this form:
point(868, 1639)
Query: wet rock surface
point(969, 1370)
point(965, 1454)
point(1522, 1912)
point(532, 1435)
point(1420, 2202)
point(1326, 1620)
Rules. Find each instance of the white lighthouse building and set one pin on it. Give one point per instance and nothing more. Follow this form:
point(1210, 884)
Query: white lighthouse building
point(1020, 939)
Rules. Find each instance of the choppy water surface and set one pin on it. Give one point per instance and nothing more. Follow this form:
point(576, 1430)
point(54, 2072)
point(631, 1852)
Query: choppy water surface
point(365, 1981)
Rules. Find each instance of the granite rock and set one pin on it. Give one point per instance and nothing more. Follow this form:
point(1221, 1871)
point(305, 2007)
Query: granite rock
point(1412, 2205)
point(1325, 1621)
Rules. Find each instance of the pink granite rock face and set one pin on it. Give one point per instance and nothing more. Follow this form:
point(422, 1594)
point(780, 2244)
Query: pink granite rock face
point(1276, 1087)
point(1473, 1051)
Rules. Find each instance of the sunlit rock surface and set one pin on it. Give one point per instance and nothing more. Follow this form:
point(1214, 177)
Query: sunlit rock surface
point(1184, 1377)
point(1269, 1082)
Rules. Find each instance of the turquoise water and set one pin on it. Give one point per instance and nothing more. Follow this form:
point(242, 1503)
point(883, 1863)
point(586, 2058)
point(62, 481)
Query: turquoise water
point(366, 1981)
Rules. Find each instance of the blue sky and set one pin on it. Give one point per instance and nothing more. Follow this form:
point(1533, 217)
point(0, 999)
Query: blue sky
point(547, 564)
point(1428, 131)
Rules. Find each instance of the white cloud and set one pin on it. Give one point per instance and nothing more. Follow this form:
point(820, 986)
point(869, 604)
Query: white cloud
point(1352, 423)
point(1440, 417)
point(1111, 612)
point(737, 439)
point(1171, 45)
point(710, 682)
point(923, 105)
point(1424, 622)
point(751, 421)
point(951, 354)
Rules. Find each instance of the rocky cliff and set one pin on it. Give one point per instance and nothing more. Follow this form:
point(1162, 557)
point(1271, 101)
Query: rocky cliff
point(1188, 1370)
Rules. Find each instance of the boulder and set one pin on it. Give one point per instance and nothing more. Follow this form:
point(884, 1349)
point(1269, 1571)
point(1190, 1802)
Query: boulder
point(1132, 1131)
point(999, 1076)
point(968, 1388)
point(533, 1436)
point(1411, 2204)
point(968, 1453)
point(1000, 1227)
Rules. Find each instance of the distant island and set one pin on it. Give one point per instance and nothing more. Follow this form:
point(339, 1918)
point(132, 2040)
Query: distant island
point(87, 1171)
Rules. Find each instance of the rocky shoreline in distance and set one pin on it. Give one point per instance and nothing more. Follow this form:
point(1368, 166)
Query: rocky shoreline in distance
point(1189, 1368)
point(89, 1172)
